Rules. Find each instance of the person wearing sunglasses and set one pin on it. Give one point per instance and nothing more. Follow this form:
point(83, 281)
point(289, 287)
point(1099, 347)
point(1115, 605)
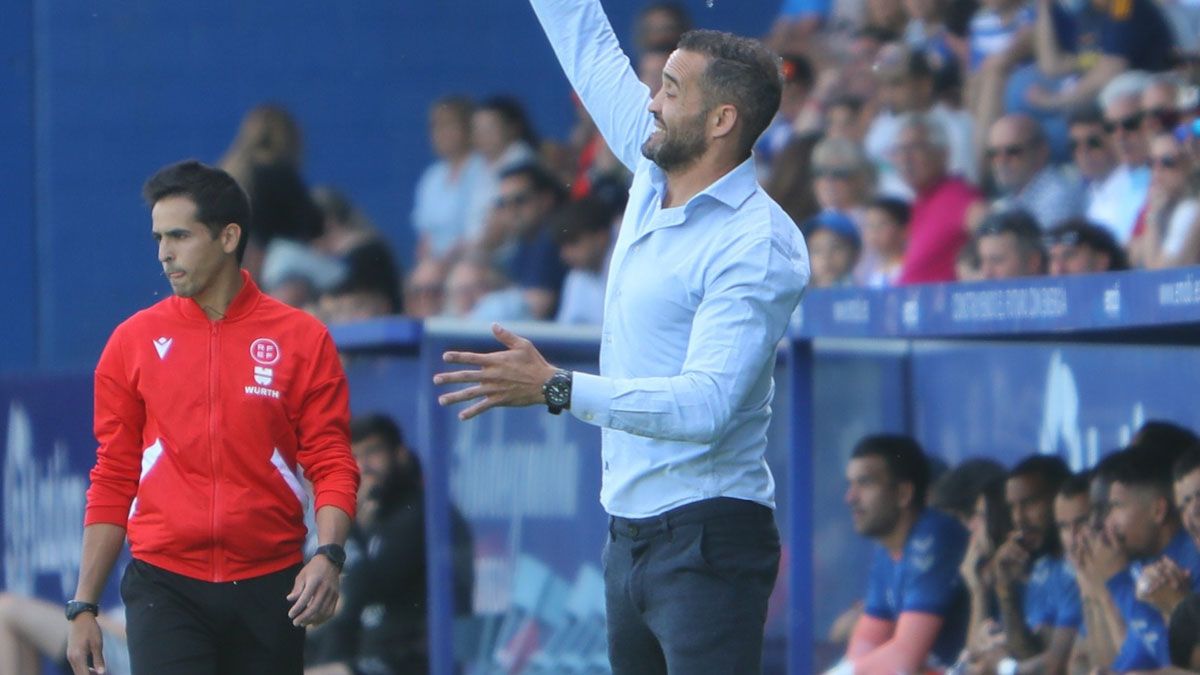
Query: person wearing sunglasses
point(1019, 157)
point(1117, 200)
point(1077, 246)
point(1168, 234)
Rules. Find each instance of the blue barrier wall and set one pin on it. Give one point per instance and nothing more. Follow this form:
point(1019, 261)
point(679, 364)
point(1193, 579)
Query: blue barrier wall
point(98, 95)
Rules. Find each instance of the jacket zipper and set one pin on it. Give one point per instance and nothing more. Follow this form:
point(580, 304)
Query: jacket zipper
point(213, 359)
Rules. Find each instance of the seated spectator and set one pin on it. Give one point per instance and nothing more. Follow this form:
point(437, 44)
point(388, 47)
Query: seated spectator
point(842, 177)
point(1040, 610)
point(1145, 525)
point(380, 625)
point(1116, 202)
point(833, 248)
point(659, 26)
point(1010, 246)
point(583, 231)
point(1169, 232)
point(906, 87)
point(946, 52)
point(425, 291)
point(370, 288)
point(1161, 113)
point(268, 135)
point(32, 630)
point(527, 195)
point(885, 237)
point(943, 206)
point(477, 290)
point(1091, 150)
point(441, 216)
point(1000, 39)
point(1077, 246)
point(1020, 162)
point(915, 604)
point(502, 135)
point(844, 118)
point(344, 225)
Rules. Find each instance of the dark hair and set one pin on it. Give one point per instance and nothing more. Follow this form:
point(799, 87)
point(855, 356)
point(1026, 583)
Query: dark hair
point(370, 268)
point(1167, 436)
point(540, 179)
point(1075, 485)
point(577, 218)
point(513, 113)
point(1050, 469)
point(1021, 225)
point(218, 198)
point(896, 209)
point(1146, 466)
point(1186, 463)
point(906, 462)
point(376, 424)
point(741, 72)
point(957, 490)
point(1085, 114)
point(460, 106)
point(999, 518)
point(1081, 231)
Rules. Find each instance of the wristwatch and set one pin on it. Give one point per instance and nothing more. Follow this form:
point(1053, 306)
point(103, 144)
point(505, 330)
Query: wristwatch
point(77, 607)
point(336, 554)
point(557, 391)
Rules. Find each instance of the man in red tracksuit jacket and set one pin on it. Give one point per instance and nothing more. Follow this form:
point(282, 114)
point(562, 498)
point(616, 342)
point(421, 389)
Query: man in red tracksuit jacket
point(208, 405)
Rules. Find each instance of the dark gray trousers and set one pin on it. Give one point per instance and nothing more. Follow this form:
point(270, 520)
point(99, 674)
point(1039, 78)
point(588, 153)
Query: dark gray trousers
point(687, 591)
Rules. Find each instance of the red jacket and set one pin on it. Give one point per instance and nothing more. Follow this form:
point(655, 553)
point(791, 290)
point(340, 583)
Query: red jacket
point(206, 422)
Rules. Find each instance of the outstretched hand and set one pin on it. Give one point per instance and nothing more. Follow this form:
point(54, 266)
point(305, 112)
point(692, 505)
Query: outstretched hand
point(513, 377)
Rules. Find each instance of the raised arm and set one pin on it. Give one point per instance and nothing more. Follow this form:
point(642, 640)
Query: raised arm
point(600, 73)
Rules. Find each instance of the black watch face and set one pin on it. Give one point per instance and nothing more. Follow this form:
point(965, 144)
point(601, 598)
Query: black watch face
point(558, 393)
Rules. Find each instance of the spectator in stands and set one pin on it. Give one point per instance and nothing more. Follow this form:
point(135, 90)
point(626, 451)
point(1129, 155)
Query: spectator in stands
point(915, 604)
point(943, 206)
point(344, 225)
point(502, 135)
point(885, 237)
point(1077, 246)
point(1160, 105)
point(425, 291)
point(583, 231)
point(833, 249)
point(650, 67)
point(1019, 157)
point(1091, 150)
point(32, 630)
point(927, 32)
point(526, 197)
point(380, 626)
point(268, 135)
point(844, 118)
point(1116, 202)
point(1000, 39)
point(842, 177)
point(659, 26)
point(1146, 527)
point(441, 216)
point(906, 86)
point(1169, 232)
point(791, 181)
point(1010, 246)
point(476, 289)
point(1040, 610)
point(798, 80)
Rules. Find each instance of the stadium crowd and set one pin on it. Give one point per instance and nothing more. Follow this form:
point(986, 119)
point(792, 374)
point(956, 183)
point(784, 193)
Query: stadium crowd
point(917, 141)
point(1027, 569)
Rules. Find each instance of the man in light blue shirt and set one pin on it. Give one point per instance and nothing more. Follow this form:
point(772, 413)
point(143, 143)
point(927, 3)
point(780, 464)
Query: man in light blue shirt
point(704, 275)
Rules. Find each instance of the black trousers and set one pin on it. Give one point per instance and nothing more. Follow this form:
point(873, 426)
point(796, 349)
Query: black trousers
point(687, 591)
point(184, 626)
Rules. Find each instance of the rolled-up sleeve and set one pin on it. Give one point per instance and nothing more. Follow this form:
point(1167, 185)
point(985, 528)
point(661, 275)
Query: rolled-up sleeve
point(737, 328)
point(600, 72)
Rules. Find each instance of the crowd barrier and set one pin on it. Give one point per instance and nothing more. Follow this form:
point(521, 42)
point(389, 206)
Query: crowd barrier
point(1059, 366)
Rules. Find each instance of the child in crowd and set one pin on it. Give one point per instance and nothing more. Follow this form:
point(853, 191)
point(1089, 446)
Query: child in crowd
point(833, 248)
point(885, 235)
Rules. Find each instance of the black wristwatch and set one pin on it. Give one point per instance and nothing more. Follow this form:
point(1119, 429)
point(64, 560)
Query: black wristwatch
point(336, 554)
point(557, 391)
point(77, 607)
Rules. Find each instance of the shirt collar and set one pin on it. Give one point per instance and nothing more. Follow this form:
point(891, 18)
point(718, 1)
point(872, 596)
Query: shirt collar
point(732, 189)
point(242, 303)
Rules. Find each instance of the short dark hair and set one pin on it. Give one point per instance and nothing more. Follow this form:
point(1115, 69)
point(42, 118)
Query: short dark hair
point(1186, 463)
point(683, 22)
point(513, 113)
point(957, 490)
point(1021, 225)
point(896, 209)
point(1050, 469)
point(1164, 435)
point(1075, 485)
point(741, 72)
point(1146, 467)
point(540, 179)
point(1085, 114)
point(1080, 231)
point(376, 424)
point(580, 217)
point(906, 461)
point(218, 198)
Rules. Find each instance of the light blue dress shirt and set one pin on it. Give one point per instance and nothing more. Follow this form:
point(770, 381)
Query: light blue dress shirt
point(697, 299)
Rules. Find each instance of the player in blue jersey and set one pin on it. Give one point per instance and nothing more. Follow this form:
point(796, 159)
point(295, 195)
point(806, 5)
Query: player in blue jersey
point(915, 612)
point(1040, 610)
